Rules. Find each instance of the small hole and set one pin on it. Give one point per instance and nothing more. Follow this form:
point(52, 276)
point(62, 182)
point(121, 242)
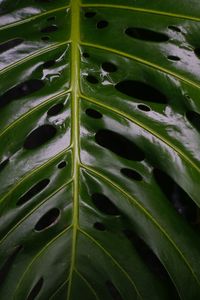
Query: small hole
point(3, 164)
point(197, 52)
point(194, 118)
point(113, 291)
point(146, 35)
point(132, 174)
point(49, 64)
point(48, 220)
point(92, 79)
point(62, 165)
point(86, 55)
point(109, 67)
point(174, 58)
point(99, 226)
point(119, 144)
point(90, 14)
point(174, 28)
point(93, 113)
point(45, 38)
point(36, 189)
point(10, 44)
point(50, 29)
point(141, 91)
point(102, 24)
point(4, 271)
point(105, 205)
point(39, 136)
point(51, 19)
point(35, 290)
point(56, 109)
point(143, 107)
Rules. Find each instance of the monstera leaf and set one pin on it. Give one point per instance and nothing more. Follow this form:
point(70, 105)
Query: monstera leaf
point(99, 156)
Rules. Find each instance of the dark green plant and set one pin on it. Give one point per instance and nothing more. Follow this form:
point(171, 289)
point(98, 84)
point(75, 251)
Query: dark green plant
point(99, 156)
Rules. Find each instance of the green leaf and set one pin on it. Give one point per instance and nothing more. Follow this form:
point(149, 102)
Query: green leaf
point(99, 157)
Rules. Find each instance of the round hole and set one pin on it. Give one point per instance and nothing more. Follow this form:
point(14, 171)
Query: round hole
point(109, 67)
point(90, 14)
point(174, 58)
point(93, 113)
point(99, 226)
point(92, 79)
point(143, 107)
point(62, 164)
point(102, 24)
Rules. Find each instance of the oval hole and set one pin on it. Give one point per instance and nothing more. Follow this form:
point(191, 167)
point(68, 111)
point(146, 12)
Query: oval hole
point(119, 145)
point(173, 57)
point(62, 164)
point(50, 29)
point(10, 44)
point(39, 136)
point(56, 109)
point(92, 79)
point(104, 204)
point(143, 107)
point(194, 119)
point(3, 164)
point(86, 55)
point(36, 289)
point(4, 271)
point(132, 174)
point(146, 35)
point(93, 113)
point(102, 24)
point(174, 28)
point(140, 90)
point(48, 220)
point(99, 226)
point(21, 90)
point(36, 189)
point(109, 67)
point(180, 200)
point(49, 64)
point(113, 291)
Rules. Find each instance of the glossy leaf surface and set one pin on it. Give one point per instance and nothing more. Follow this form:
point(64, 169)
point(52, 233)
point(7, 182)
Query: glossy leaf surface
point(99, 157)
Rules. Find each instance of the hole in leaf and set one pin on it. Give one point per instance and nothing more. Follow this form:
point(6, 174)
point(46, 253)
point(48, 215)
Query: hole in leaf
point(10, 44)
point(105, 205)
point(109, 67)
point(197, 52)
point(48, 220)
point(8, 263)
point(45, 38)
point(51, 19)
point(92, 79)
point(50, 29)
point(143, 107)
point(49, 64)
point(36, 189)
point(39, 136)
point(62, 164)
point(56, 109)
point(174, 28)
point(113, 291)
point(152, 261)
point(140, 90)
point(99, 226)
point(194, 119)
point(174, 58)
point(119, 145)
point(93, 113)
point(36, 289)
point(146, 35)
point(90, 14)
point(3, 164)
point(132, 174)
point(102, 24)
point(181, 201)
point(86, 55)
point(21, 90)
